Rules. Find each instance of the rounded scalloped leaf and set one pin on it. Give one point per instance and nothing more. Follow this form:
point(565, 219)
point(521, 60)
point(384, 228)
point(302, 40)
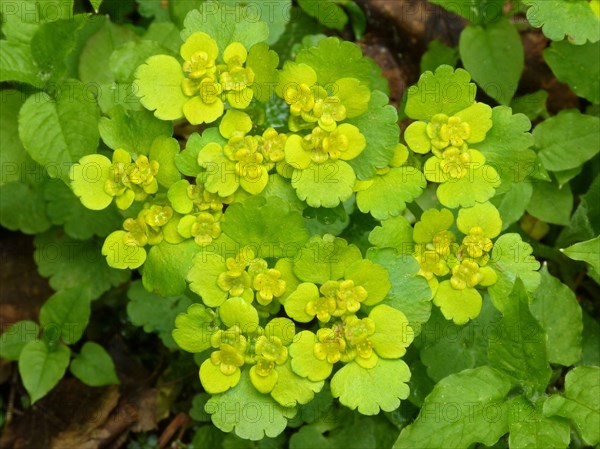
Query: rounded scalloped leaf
point(286, 268)
point(477, 187)
point(120, 254)
point(237, 312)
point(282, 328)
point(374, 278)
point(395, 232)
point(374, 389)
point(416, 137)
point(292, 389)
point(448, 91)
point(255, 415)
point(263, 63)
point(214, 381)
point(264, 384)
point(432, 221)
point(388, 194)
point(479, 118)
point(295, 304)
point(392, 333)
point(459, 306)
point(194, 327)
point(158, 85)
point(206, 268)
point(219, 174)
point(235, 122)
point(199, 42)
point(88, 177)
point(178, 197)
point(325, 258)
point(304, 362)
point(324, 185)
point(483, 215)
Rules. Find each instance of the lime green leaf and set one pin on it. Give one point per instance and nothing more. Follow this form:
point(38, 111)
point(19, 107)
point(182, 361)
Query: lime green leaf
point(588, 251)
point(532, 105)
point(46, 122)
point(93, 366)
point(187, 160)
point(128, 57)
point(247, 30)
point(389, 193)
point(409, 293)
point(15, 337)
point(237, 312)
point(467, 395)
point(556, 308)
point(79, 222)
point(325, 258)
point(203, 274)
point(167, 266)
point(579, 403)
point(263, 63)
point(520, 349)
point(94, 60)
point(529, 429)
point(569, 129)
point(511, 258)
point(88, 178)
point(459, 306)
point(96, 4)
point(448, 348)
point(121, 254)
point(295, 303)
point(507, 146)
point(19, 27)
point(512, 204)
point(380, 128)
point(483, 215)
point(558, 18)
point(133, 131)
point(324, 185)
point(17, 63)
point(432, 221)
point(214, 380)
point(395, 232)
point(495, 58)
point(445, 92)
point(194, 328)
point(438, 54)
point(158, 84)
point(304, 362)
point(374, 278)
point(155, 313)
point(576, 65)
point(334, 59)
point(291, 389)
point(65, 315)
point(259, 414)
point(478, 11)
point(276, 15)
point(41, 367)
point(550, 203)
point(77, 264)
point(371, 390)
point(478, 186)
point(268, 225)
point(392, 333)
point(163, 150)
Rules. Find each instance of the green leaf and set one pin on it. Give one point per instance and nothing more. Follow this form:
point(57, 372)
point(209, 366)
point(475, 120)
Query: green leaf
point(41, 367)
point(576, 65)
point(550, 203)
point(96, 4)
point(324, 185)
point(585, 222)
point(238, 312)
point(163, 150)
point(46, 122)
point(13, 157)
point(389, 193)
point(18, 27)
point(448, 348)
point(495, 58)
point(263, 63)
point(532, 105)
point(579, 403)
point(409, 293)
point(477, 11)
point(187, 160)
point(257, 415)
point(371, 390)
point(556, 308)
point(128, 57)
point(65, 315)
point(291, 389)
point(133, 131)
point(454, 414)
point(445, 92)
point(520, 349)
point(459, 306)
point(512, 204)
point(276, 15)
point(76, 264)
point(247, 30)
point(438, 54)
point(203, 274)
point(590, 354)
point(155, 313)
point(511, 258)
point(15, 337)
point(93, 366)
point(329, 14)
point(395, 232)
point(507, 147)
point(529, 429)
point(17, 63)
point(588, 251)
point(22, 205)
point(122, 254)
point(166, 34)
point(569, 129)
point(574, 19)
point(194, 328)
point(167, 266)
point(268, 225)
